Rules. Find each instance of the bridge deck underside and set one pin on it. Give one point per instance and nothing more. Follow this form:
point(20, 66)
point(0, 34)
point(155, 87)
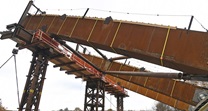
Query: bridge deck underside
point(71, 64)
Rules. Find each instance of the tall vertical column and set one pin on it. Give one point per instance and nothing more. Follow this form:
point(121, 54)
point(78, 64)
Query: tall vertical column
point(34, 83)
point(94, 95)
point(119, 102)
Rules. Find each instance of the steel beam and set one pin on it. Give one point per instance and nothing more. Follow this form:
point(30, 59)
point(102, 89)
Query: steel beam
point(25, 12)
point(158, 96)
point(56, 56)
point(174, 93)
point(118, 58)
point(76, 70)
point(147, 74)
point(64, 64)
point(80, 56)
point(101, 54)
point(163, 45)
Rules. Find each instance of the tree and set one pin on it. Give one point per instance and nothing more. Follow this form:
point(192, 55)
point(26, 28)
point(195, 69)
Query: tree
point(163, 107)
point(77, 109)
point(1, 107)
point(110, 109)
point(66, 109)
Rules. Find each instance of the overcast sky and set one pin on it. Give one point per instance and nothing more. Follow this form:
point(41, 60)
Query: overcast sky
point(61, 90)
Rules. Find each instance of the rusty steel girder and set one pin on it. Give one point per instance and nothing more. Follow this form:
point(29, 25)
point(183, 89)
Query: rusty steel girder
point(172, 92)
point(171, 47)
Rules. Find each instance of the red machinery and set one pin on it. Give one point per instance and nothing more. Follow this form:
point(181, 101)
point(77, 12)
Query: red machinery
point(43, 37)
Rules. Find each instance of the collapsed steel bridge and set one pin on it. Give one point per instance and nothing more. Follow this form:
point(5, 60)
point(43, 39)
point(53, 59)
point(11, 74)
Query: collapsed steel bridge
point(180, 49)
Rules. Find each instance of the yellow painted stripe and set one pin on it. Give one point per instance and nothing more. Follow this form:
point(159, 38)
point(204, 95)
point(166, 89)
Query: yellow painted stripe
point(51, 24)
point(28, 22)
point(74, 27)
point(40, 22)
point(120, 67)
point(156, 96)
point(175, 103)
point(115, 34)
point(119, 70)
point(130, 86)
point(164, 46)
point(31, 91)
point(146, 92)
point(101, 63)
point(131, 76)
point(137, 89)
point(92, 30)
point(115, 37)
point(171, 94)
point(91, 34)
point(146, 81)
point(61, 25)
point(111, 63)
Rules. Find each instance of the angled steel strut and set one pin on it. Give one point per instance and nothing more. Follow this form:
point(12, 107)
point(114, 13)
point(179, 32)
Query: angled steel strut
point(147, 74)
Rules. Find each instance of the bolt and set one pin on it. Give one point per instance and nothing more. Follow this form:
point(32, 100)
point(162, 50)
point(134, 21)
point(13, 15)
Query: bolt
point(202, 96)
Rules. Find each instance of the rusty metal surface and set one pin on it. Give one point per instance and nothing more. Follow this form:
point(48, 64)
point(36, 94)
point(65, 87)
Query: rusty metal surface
point(34, 83)
point(147, 74)
point(141, 85)
point(63, 58)
point(152, 94)
point(177, 90)
point(140, 41)
point(168, 46)
point(144, 85)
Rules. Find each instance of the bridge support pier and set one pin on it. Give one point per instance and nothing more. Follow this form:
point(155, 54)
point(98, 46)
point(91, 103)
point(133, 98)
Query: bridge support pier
point(34, 83)
point(94, 95)
point(119, 102)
